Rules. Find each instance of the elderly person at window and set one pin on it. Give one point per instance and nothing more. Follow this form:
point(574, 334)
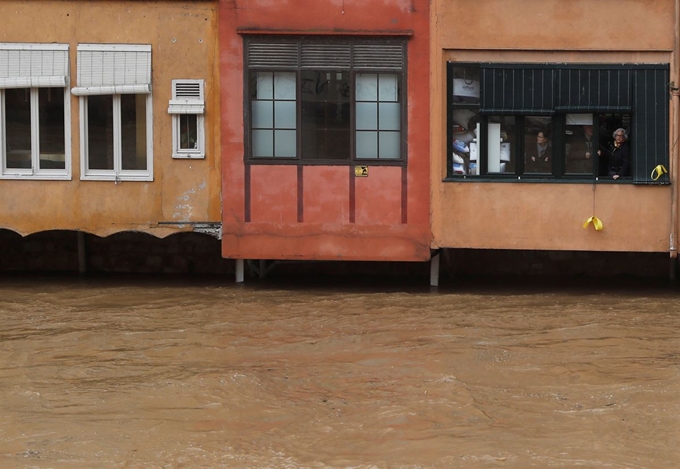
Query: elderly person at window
point(618, 155)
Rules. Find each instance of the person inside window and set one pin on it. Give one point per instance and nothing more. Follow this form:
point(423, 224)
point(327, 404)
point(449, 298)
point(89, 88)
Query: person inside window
point(618, 155)
point(538, 156)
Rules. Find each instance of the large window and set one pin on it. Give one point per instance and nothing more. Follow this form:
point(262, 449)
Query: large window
point(114, 82)
point(557, 121)
point(34, 114)
point(330, 100)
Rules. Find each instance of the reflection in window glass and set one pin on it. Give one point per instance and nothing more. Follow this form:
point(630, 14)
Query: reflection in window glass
point(51, 116)
point(188, 131)
point(578, 144)
point(378, 116)
point(133, 131)
point(325, 115)
point(274, 114)
point(18, 128)
point(537, 144)
point(100, 132)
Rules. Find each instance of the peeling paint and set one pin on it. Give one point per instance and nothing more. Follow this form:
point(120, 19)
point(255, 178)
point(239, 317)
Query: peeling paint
point(184, 208)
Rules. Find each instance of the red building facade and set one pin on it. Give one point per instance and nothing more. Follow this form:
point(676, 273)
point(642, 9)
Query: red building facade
point(325, 130)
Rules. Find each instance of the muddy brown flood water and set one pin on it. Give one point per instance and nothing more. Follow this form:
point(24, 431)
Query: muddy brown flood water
point(137, 374)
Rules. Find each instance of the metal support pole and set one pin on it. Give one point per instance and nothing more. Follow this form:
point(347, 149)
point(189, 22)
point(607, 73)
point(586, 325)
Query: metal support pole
point(240, 269)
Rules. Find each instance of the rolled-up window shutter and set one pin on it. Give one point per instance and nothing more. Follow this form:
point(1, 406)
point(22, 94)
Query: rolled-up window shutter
point(595, 90)
point(325, 56)
point(265, 54)
point(378, 56)
point(510, 89)
point(33, 65)
point(113, 69)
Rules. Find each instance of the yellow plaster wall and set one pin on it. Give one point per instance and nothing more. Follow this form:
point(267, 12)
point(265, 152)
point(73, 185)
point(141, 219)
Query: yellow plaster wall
point(502, 215)
point(183, 36)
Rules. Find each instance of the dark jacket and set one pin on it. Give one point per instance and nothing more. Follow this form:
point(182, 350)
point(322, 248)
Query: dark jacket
point(619, 160)
point(536, 162)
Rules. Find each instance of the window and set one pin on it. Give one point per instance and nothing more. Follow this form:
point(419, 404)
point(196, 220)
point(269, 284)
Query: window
point(187, 107)
point(34, 112)
point(556, 121)
point(114, 83)
point(330, 100)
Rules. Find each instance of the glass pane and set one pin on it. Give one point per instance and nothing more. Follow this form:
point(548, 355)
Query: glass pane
point(367, 87)
point(262, 86)
point(18, 128)
point(578, 144)
point(367, 116)
point(367, 144)
point(466, 135)
point(466, 84)
point(263, 114)
point(100, 132)
point(263, 143)
point(133, 131)
point(390, 116)
point(501, 144)
point(537, 144)
point(388, 88)
point(389, 144)
point(284, 85)
point(51, 117)
point(285, 115)
point(188, 132)
point(284, 143)
point(325, 115)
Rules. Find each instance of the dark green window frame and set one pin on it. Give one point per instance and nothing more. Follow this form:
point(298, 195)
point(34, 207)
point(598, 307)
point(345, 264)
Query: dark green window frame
point(634, 93)
point(352, 58)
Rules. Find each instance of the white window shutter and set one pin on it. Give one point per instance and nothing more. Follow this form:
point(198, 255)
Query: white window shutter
point(33, 65)
point(113, 69)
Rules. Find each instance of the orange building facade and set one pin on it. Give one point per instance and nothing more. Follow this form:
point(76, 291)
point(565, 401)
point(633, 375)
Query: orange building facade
point(325, 130)
point(110, 114)
point(512, 78)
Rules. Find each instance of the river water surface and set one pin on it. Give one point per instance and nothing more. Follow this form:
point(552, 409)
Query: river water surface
point(130, 373)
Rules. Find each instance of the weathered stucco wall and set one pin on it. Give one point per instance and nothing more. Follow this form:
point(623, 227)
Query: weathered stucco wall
point(183, 36)
point(511, 215)
point(392, 210)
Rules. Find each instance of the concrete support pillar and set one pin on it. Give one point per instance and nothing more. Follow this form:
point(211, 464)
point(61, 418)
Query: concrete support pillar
point(240, 270)
point(434, 270)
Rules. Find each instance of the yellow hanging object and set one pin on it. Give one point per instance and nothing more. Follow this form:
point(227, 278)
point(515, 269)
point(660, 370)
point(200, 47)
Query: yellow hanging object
point(597, 223)
point(658, 172)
